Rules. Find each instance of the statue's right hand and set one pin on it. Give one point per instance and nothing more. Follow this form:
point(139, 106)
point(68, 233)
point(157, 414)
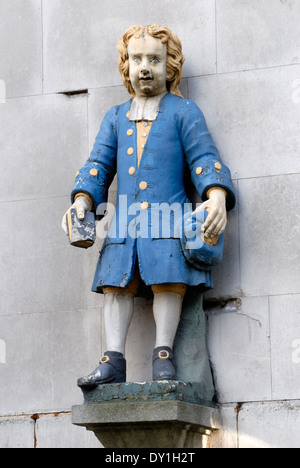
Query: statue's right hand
point(82, 205)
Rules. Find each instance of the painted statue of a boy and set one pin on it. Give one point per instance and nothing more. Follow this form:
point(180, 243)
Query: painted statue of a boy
point(148, 142)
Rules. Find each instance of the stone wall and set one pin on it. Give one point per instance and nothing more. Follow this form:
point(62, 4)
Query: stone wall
point(243, 69)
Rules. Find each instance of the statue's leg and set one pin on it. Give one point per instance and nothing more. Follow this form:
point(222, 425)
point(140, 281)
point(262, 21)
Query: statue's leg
point(167, 306)
point(118, 311)
point(167, 311)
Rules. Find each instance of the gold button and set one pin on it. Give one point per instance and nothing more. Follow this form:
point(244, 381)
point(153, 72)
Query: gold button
point(199, 170)
point(77, 174)
point(218, 166)
point(145, 205)
point(130, 132)
point(94, 172)
point(128, 114)
point(130, 151)
point(143, 185)
point(131, 170)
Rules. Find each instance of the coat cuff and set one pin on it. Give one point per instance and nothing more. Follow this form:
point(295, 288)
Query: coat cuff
point(214, 174)
point(85, 195)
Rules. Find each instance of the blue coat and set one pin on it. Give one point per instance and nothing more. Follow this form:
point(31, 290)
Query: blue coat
point(177, 138)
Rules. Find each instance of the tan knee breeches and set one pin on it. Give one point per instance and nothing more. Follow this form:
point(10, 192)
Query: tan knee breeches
point(132, 288)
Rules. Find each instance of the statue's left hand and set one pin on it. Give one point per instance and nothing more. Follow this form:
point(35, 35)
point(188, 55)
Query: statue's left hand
point(216, 221)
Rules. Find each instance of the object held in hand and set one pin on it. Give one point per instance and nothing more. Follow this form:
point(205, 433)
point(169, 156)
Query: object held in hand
point(201, 252)
point(81, 233)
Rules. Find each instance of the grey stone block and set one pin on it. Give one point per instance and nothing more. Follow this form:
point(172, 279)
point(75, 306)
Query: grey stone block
point(43, 273)
point(57, 431)
point(227, 436)
point(239, 348)
point(21, 47)
point(45, 355)
point(16, 432)
point(270, 252)
point(257, 34)
point(253, 117)
point(285, 346)
point(43, 144)
point(269, 425)
point(97, 28)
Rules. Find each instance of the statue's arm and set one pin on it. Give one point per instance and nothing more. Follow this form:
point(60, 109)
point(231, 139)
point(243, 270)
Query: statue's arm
point(95, 177)
point(211, 177)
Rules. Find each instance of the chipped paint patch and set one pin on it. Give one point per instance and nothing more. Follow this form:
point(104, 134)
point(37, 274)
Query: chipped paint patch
point(124, 281)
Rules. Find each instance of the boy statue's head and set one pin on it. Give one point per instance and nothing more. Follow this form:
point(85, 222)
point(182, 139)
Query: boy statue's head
point(151, 60)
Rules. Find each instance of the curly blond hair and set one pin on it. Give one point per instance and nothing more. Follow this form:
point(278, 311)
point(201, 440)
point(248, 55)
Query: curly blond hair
point(175, 57)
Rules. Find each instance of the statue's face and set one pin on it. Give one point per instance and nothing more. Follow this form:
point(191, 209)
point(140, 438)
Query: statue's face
point(147, 66)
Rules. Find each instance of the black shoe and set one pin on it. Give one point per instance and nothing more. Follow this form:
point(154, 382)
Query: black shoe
point(163, 368)
point(112, 369)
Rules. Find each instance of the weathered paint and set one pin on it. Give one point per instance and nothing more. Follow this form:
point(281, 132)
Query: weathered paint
point(165, 390)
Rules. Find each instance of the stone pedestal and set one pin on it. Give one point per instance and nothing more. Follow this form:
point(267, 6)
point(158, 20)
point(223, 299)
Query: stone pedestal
point(160, 414)
point(166, 414)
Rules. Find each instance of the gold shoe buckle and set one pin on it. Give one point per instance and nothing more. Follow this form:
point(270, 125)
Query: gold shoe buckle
point(160, 355)
point(104, 359)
